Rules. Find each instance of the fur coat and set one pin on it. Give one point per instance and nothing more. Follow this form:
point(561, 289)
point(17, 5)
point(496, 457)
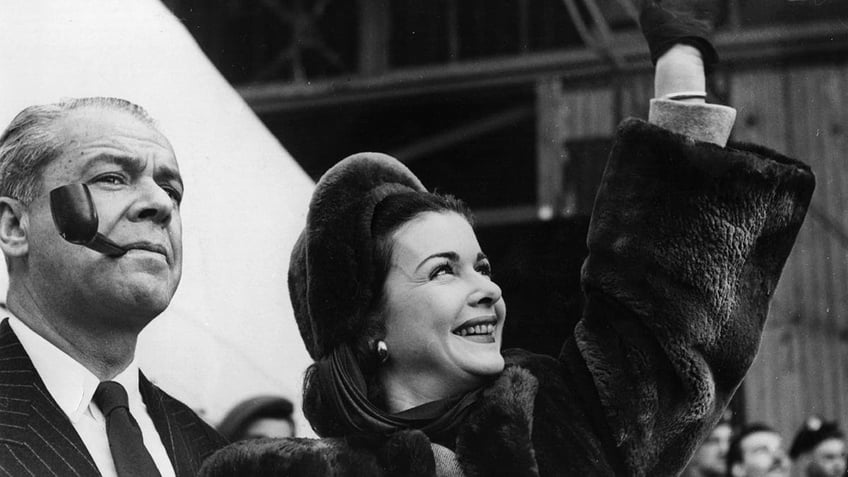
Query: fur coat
point(686, 245)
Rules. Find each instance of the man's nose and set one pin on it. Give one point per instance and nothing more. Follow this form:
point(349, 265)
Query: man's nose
point(153, 203)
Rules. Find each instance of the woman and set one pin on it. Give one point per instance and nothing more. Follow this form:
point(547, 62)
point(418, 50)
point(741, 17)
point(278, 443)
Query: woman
point(395, 301)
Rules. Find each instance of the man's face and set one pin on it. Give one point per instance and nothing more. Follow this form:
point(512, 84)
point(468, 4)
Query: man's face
point(136, 187)
point(827, 459)
point(710, 459)
point(762, 455)
point(269, 427)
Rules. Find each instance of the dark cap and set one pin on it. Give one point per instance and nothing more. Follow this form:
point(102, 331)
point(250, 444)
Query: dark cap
point(814, 432)
point(331, 269)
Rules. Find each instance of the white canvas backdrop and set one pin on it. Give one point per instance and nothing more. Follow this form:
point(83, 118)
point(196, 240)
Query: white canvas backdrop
point(229, 332)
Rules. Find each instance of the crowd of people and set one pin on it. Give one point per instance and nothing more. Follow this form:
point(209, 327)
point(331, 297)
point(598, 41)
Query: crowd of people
point(818, 449)
point(396, 303)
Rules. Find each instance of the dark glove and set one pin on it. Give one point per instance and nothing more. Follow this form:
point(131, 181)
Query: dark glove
point(664, 28)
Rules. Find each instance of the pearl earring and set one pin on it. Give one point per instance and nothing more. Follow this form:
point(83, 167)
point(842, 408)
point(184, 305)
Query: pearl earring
point(382, 351)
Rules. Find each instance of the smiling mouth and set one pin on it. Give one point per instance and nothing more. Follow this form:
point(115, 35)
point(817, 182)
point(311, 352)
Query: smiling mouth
point(478, 329)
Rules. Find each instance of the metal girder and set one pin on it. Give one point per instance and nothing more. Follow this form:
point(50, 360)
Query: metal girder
point(741, 47)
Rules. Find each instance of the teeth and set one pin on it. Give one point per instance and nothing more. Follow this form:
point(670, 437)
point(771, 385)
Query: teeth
point(476, 330)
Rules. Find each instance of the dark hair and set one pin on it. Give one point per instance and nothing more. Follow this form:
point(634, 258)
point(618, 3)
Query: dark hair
point(734, 451)
point(389, 215)
point(236, 422)
point(393, 212)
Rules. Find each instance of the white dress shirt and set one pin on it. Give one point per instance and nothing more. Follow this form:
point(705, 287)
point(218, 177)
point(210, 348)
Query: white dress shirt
point(72, 385)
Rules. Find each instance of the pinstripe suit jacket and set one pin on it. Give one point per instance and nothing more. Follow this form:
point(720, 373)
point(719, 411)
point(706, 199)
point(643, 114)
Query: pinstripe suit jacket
point(38, 439)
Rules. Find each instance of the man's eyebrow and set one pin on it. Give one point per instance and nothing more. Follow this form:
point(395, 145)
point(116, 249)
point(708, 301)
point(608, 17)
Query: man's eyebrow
point(170, 174)
point(133, 163)
point(136, 164)
point(452, 256)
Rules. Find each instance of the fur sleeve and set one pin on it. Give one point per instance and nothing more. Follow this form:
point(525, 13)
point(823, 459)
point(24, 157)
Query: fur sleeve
point(686, 245)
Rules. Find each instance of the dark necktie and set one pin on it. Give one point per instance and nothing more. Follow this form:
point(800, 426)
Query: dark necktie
point(125, 440)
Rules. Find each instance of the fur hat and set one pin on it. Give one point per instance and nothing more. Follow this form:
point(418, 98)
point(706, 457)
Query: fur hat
point(331, 269)
point(814, 432)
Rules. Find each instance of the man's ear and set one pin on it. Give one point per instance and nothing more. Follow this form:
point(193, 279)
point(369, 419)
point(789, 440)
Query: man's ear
point(737, 470)
point(13, 228)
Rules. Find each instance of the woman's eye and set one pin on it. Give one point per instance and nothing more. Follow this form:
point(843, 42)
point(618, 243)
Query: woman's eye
point(444, 269)
point(485, 268)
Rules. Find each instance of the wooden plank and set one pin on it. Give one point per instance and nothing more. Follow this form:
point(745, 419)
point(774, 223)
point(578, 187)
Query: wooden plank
point(517, 214)
point(771, 387)
point(806, 104)
point(584, 114)
point(373, 37)
point(757, 385)
point(636, 92)
point(817, 299)
point(551, 155)
point(832, 369)
point(761, 114)
point(802, 111)
point(428, 146)
point(587, 113)
point(843, 379)
point(840, 145)
point(819, 98)
point(811, 373)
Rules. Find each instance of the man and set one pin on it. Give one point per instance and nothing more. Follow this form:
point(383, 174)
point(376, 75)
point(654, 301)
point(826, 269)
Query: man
point(818, 449)
point(76, 313)
point(710, 460)
point(257, 417)
point(757, 451)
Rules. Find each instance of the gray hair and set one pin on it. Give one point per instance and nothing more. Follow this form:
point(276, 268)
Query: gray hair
point(30, 142)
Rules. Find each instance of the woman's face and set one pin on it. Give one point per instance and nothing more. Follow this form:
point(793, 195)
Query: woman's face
point(444, 314)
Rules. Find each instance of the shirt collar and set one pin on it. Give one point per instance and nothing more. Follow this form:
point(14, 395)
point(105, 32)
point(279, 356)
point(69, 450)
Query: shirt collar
point(70, 383)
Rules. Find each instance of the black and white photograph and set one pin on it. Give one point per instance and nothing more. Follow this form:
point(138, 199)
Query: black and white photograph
point(450, 238)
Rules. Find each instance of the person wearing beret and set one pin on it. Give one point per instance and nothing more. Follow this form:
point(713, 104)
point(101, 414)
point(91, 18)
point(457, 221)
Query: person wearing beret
point(710, 460)
point(257, 417)
point(818, 449)
point(398, 305)
point(757, 450)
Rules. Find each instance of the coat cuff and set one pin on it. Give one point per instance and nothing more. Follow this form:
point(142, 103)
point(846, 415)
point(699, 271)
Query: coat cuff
point(703, 122)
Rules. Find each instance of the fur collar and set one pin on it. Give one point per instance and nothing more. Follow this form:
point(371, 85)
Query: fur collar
point(497, 438)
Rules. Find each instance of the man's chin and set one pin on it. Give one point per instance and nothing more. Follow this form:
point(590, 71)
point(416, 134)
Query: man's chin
point(713, 472)
point(148, 301)
point(781, 472)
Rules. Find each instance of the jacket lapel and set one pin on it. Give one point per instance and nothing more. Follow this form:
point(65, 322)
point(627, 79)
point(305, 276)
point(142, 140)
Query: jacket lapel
point(36, 437)
point(170, 430)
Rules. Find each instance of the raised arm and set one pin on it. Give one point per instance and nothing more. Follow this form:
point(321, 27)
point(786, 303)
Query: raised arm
point(686, 245)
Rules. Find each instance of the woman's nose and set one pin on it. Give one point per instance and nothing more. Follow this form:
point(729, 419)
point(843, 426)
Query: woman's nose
point(486, 291)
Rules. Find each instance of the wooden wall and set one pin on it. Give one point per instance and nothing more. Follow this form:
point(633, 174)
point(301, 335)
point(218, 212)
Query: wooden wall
point(802, 367)
point(802, 111)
